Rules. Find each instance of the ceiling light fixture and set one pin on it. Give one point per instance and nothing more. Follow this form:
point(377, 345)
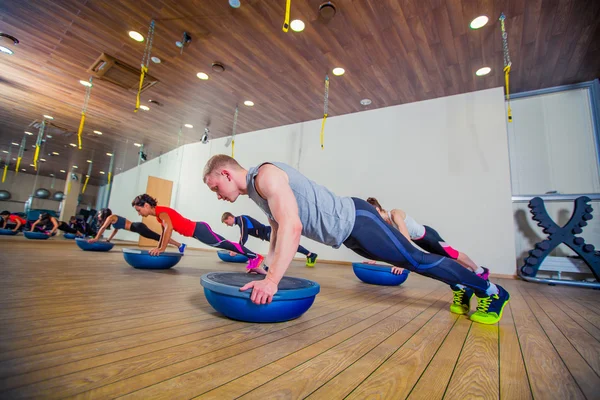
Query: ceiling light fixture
point(63, 171)
point(136, 36)
point(5, 152)
point(51, 174)
point(23, 169)
point(89, 161)
point(28, 133)
point(101, 172)
point(98, 132)
point(145, 108)
point(42, 159)
point(31, 165)
point(202, 76)
point(109, 154)
point(48, 116)
point(479, 22)
point(249, 103)
point(483, 71)
point(189, 126)
point(72, 145)
point(365, 102)
point(338, 71)
point(85, 83)
point(6, 50)
point(75, 166)
point(15, 143)
point(55, 153)
point(155, 60)
point(234, 3)
point(297, 25)
point(137, 145)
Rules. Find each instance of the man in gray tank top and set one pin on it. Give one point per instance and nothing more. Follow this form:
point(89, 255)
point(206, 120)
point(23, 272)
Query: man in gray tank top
point(297, 206)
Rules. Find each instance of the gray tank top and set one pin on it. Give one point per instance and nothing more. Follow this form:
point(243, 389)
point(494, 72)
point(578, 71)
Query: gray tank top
point(415, 230)
point(325, 217)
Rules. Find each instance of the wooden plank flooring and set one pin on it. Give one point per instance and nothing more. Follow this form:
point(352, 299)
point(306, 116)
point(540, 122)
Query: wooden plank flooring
point(86, 325)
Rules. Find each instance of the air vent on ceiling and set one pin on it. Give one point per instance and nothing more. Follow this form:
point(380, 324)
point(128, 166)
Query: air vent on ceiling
point(121, 74)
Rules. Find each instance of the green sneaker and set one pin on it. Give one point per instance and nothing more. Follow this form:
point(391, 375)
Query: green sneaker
point(462, 301)
point(489, 309)
point(311, 260)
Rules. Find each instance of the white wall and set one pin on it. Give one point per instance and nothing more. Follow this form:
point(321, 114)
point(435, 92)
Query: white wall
point(445, 161)
point(21, 187)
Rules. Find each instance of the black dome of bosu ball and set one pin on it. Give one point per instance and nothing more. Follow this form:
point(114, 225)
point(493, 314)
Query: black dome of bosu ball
point(58, 196)
point(4, 195)
point(293, 298)
point(42, 193)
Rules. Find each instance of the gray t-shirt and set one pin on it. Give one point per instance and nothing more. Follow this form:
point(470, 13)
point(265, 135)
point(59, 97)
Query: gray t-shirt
point(325, 217)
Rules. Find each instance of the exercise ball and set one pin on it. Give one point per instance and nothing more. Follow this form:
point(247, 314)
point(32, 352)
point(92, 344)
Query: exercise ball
point(378, 274)
point(4, 195)
point(42, 193)
point(58, 196)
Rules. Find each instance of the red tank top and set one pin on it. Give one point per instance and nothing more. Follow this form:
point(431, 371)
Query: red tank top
point(15, 218)
point(181, 224)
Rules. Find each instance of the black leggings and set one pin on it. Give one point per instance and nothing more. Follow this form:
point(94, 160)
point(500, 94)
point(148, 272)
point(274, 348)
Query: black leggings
point(142, 229)
point(301, 250)
point(432, 242)
point(206, 235)
point(373, 238)
point(63, 226)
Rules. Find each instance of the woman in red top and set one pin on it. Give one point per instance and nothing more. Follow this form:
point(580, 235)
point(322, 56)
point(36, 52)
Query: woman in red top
point(171, 220)
point(12, 219)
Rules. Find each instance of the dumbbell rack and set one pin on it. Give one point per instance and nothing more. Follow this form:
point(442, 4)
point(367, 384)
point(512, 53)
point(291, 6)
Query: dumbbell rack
point(558, 235)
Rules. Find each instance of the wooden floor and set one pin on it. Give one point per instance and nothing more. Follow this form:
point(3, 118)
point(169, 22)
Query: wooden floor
point(86, 325)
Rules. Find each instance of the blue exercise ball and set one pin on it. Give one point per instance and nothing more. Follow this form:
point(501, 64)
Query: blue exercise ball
point(4, 195)
point(141, 259)
point(293, 298)
point(36, 235)
point(42, 193)
point(96, 246)
point(70, 236)
point(378, 274)
point(58, 196)
point(8, 232)
point(238, 258)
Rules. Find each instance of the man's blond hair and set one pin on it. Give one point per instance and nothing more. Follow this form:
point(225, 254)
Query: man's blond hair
point(218, 162)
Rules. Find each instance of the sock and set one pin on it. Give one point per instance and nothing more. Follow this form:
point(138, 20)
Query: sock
point(479, 270)
point(492, 289)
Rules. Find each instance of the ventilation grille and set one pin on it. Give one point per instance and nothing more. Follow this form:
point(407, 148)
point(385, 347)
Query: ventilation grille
point(121, 74)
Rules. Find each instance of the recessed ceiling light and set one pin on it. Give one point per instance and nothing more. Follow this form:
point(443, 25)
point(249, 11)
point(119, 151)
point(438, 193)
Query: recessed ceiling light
point(249, 103)
point(483, 71)
point(155, 60)
point(109, 154)
point(28, 133)
point(48, 117)
point(15, 143)
point(5, 152)
point(202, 76)
point(136, 36)
point(51, 174)
point(137, 145)
point(6, 50)
point(189, 125)
point(85, 83)
point(89, 161)
point(42, 159)
point(479, 22)
point(234, 3)
point(365, 102)
point(33, 145)
point(72, 145)
point(49, 136)
point(75, 166)
point(87, 176)
point(101, 172)
point(338, 71)
point(297, 25)
point(63, 171)
point(98, 132)
point(14, 159)
point(23, 169)
point(31, 165)
point(55, 153)
point(145, 108)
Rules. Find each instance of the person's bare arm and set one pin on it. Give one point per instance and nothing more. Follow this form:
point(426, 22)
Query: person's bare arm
point(167, 231)
point(398, 218)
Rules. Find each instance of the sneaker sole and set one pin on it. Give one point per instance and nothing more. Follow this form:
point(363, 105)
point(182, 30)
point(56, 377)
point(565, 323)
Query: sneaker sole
point(492, 322)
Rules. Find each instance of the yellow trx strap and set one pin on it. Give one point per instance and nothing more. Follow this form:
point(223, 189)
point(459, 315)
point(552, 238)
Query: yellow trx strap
point(233, 148)
point(286, 22)
point(18, 163)
point(323, 131)
point(325, 110)
point(109, 176)
point(81, 124)
point(69, 186)
point(35, 156)
point(4, 174)
point(506, 76)
point(87, 178)
point(137, 98)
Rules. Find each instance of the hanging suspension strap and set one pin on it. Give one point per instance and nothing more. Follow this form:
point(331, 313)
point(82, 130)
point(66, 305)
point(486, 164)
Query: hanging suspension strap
point(286, 21)
point(88, 92)
point(110, 167)
point(38, 144)
point(87, 177)
point(507, 64)
point(6, 163)
point(145, 63)
point(235, 117)
point(20, 155)
point(325, 110)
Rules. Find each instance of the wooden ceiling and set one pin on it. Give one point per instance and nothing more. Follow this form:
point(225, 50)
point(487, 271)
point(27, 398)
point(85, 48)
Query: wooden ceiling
point(394, 52)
